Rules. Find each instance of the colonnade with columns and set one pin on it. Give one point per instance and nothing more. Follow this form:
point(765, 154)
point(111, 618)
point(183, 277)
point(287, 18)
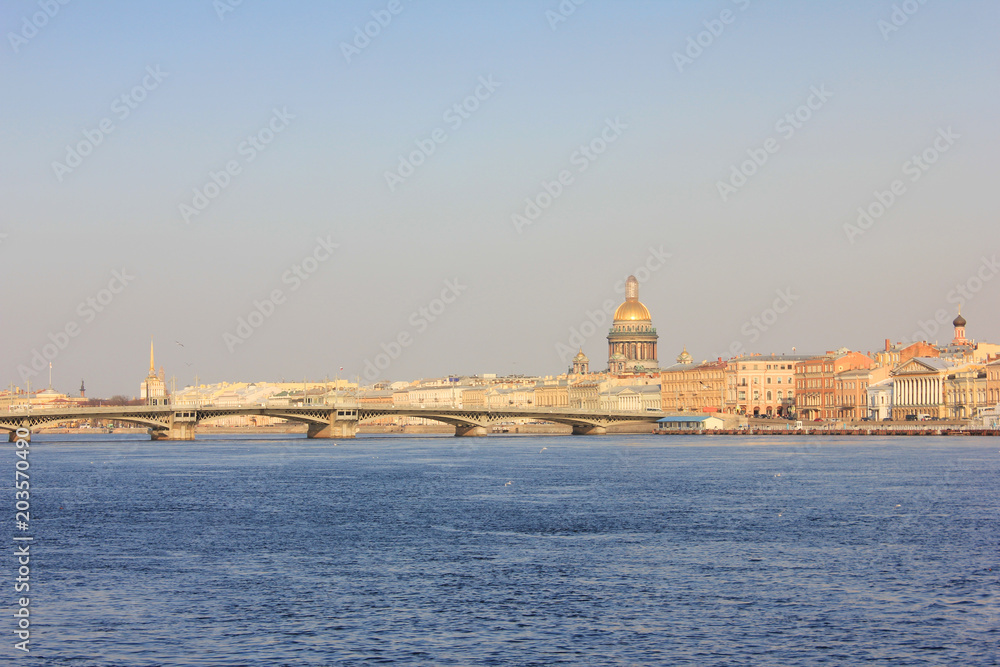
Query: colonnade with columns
point(915, 391)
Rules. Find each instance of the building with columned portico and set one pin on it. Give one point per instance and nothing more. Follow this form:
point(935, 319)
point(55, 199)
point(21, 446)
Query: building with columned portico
point(632, 339)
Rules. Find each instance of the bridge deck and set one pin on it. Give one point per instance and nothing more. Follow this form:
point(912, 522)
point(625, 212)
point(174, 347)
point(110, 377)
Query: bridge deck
point(325, 421)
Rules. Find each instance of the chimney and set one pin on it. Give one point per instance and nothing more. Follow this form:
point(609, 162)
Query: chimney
point(887, 345)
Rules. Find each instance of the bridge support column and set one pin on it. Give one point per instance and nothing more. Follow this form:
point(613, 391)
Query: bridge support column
point(343, 424)
point(177, 431)
point(180, 427)
point(589, 429)
point(465, 430)
point(12, 436)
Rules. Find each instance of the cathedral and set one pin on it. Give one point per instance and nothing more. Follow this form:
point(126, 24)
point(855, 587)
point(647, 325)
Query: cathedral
point(632, 339)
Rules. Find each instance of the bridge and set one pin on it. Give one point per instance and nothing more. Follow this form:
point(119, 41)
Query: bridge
point(337, 420)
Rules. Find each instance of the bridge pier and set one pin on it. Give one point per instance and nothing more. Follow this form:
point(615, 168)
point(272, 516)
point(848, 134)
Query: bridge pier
point(12, 436)
point(178, 431)
point(180, 426)
point(589, 429)
point(336, 430)
point(343, 424)
point(468, 430)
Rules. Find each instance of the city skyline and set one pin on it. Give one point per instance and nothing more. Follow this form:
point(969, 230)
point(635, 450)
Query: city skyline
point(622, 366)
point(270, 192)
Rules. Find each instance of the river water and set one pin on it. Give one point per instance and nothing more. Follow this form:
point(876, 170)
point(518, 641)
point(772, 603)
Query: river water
point(512, 550)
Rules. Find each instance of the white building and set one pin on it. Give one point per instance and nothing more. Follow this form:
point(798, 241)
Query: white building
point(880, 400)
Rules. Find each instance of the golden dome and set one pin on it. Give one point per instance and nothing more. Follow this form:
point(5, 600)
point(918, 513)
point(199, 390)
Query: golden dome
point(632, 310)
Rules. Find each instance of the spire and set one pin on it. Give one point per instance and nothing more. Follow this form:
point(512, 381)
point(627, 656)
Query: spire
point(152, 366)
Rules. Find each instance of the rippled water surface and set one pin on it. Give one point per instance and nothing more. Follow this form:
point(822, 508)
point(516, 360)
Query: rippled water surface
point(514, 550)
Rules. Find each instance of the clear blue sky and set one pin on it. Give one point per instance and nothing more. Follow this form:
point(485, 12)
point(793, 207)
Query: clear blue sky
point(674, 135)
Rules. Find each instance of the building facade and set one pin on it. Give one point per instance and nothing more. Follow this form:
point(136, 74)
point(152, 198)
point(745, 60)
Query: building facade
point(850, 394)
point(880, 400)
point(993, 383)
point(687, 386)
point(815, 382)
point(919, 386)
point(965, 392)
point(762, 385)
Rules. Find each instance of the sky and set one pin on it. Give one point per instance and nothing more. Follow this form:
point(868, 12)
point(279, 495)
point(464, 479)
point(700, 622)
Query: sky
point(404, 189)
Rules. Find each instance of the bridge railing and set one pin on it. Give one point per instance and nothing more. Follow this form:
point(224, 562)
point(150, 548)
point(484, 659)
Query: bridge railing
point(139, 409)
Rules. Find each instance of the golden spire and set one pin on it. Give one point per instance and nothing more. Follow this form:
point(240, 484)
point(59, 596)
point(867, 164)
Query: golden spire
point(152, 366)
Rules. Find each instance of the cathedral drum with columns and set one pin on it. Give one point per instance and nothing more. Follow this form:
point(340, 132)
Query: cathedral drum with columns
point(632, 339)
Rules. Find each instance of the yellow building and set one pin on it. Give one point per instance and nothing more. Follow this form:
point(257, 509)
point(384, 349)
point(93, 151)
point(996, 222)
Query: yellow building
point(687, 386)
point(153, 389)
point(632, 340)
